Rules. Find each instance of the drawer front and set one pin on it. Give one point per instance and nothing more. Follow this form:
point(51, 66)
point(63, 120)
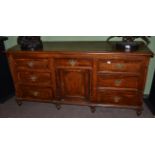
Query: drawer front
point(32, 63)
point(119, 65)
point(73, 62)
point(118, 98)
point(35, 78)
point(118, 81)
point(36, 93)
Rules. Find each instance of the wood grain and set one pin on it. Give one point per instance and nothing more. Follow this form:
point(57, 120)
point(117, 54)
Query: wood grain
point(81, 73)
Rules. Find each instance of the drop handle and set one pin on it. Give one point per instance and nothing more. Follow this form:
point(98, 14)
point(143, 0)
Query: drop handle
point(120, 66)
point(30, 64)
point(117, 99)
point(118, 82)
point(35, 93)
point(72, 62)
point(33, 78)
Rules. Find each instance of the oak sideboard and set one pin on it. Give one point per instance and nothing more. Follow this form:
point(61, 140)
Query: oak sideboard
point(90, 73)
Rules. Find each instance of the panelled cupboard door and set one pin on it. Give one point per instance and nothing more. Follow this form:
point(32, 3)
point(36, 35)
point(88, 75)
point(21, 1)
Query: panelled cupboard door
point(73, 84)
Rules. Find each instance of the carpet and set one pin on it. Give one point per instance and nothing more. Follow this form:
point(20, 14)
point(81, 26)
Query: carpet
point(45, 110)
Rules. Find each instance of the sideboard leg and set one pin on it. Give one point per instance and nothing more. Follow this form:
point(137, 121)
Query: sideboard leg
point(58, 106)
point(19, 102)
point(139, 112)
point(93, 109)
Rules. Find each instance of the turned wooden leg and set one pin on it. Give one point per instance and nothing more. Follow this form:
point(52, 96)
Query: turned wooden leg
point(93, 109)
point(139, 112)
point(58, 106)
point(19, 102)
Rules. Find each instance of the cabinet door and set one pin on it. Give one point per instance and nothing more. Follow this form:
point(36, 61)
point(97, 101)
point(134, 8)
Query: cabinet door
point(73, 84)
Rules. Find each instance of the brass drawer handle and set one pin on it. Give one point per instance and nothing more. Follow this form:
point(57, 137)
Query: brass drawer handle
point(72, 62)
point(120, 66)
point(35, 93)
point(118, 82)
point(33, 78)
point(30, 64)
point(117, 99)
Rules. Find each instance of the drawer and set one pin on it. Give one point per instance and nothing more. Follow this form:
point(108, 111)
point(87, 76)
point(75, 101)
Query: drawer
point(117, 80)
point(32, 63)
point(128, 98)
point(36, 93)
point(34, 78)
point(119, 65)
point(73, 62)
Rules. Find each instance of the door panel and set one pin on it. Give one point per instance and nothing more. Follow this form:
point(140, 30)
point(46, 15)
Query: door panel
point(73, 84)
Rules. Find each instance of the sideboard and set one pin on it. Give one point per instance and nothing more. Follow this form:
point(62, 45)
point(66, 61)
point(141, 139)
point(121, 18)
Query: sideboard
point(80, 73)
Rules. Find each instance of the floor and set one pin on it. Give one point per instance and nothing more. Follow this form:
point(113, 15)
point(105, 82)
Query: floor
point(10, 109)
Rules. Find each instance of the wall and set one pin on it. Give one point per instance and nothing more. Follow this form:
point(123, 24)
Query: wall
point(12, 41)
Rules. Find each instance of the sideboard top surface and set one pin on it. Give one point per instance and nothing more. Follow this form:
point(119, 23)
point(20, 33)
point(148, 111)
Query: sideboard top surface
point(84, 46)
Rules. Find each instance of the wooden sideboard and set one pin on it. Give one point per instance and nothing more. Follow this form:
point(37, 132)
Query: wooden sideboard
point(80, 73)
